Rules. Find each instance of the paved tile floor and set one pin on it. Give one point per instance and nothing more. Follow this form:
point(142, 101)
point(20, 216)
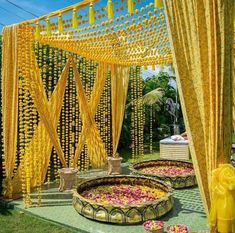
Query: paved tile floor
point(57, 207)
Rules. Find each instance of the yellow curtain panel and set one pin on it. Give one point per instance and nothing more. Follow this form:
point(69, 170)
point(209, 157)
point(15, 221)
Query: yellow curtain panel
point(233, 89)
point(201, 34)
point(10, 101)
point(40, 100)
point(119, 87)
point(41, 141)
point(90, 133)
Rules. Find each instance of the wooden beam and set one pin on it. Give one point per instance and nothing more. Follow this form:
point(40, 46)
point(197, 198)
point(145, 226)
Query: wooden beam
point(76, 6)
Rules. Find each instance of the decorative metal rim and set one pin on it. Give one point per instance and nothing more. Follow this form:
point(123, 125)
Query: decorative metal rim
point(132, 168)
point(123, 214)
point(172, 179)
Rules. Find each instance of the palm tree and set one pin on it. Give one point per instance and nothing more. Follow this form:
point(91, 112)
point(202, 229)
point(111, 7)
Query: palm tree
point(152, 97)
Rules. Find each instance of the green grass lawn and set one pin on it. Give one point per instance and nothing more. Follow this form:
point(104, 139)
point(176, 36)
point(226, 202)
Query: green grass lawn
point(13, 221)
point(127, 157)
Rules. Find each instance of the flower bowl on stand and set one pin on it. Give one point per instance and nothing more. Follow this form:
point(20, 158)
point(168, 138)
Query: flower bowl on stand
point(177, 228)
point(152, 226)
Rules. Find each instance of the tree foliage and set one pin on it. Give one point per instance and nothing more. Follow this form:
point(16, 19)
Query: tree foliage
point(157, 90)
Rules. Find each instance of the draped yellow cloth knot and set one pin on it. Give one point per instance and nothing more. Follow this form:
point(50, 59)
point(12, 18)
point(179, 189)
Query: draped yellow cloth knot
point(222, 213)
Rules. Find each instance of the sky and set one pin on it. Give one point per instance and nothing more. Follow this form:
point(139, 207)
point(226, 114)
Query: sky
point(37, 7)
point(10, 14)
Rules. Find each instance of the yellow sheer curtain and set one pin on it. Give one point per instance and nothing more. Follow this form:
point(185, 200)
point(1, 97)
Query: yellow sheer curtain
point(90, 133)
point(41, 140)
point(40, 100)
point(119, 87)
point(9, 101)
point(201, 34)
point(234, 88)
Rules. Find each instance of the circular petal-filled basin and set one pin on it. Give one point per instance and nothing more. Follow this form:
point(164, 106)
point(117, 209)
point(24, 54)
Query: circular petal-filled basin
point(179, 174)
point(123, 199)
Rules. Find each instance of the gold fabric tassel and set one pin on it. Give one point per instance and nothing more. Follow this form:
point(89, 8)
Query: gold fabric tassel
point(48, 27)
point(37, 32)
point(91, 14)
point(75, 19)
point(130, 6)
point(60, 24)
point(158, 3)
point(110, 9)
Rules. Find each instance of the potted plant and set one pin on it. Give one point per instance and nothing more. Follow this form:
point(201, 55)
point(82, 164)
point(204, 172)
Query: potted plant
point(153, 226)
point(114, 165)
point(177, 228)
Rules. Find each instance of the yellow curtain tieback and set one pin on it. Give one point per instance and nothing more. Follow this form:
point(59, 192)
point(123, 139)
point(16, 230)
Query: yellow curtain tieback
point(222, 213)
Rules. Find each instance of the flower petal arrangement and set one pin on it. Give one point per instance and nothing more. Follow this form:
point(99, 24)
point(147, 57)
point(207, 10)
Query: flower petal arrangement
point(123, 199)
point(177, 173)
point(169, 170)
point(177, 228)
point(123, 194)
point(152, 225)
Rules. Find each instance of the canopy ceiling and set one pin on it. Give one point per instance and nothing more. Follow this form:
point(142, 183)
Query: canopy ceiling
point(138, 38)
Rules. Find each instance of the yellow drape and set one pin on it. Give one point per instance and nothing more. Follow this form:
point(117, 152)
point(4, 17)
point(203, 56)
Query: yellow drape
point(90, 132)
point(9, 100)
point(40, 100)
point(233, 89)
point(201, 34)
point(119, 87)
point(41, 140)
